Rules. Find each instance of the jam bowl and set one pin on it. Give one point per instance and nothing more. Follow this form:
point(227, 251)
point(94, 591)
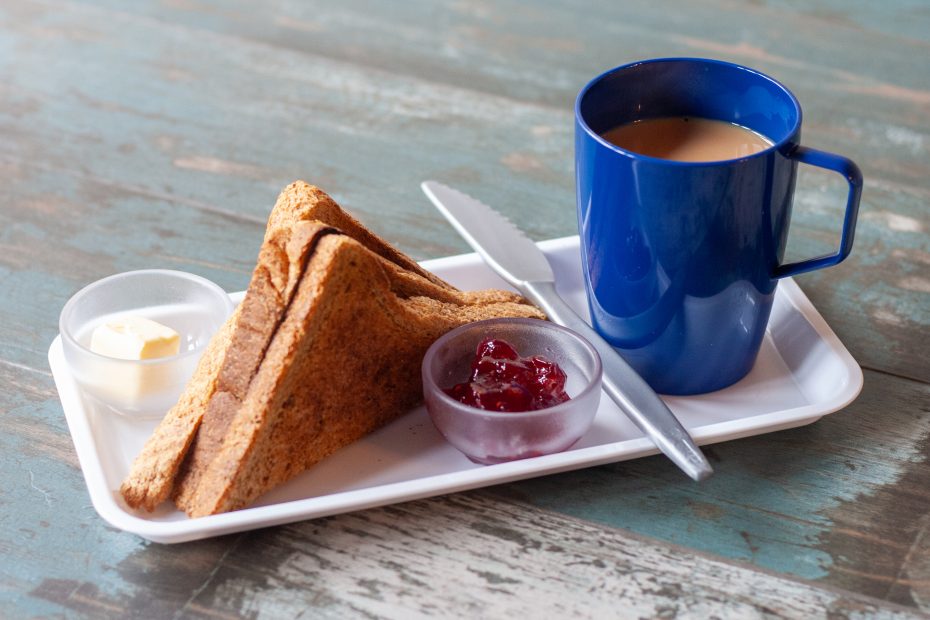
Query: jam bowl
point(488, 436)
point(192, 306)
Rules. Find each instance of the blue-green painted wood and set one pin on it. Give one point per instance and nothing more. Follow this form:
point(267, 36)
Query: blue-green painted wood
point(157, 134)
point(842, 500)
point(503, 131)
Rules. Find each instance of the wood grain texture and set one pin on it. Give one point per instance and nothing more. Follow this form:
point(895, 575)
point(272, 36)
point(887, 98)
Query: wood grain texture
point(462, 556)
point(478, 95)
point(844, 501)
point(157, 134)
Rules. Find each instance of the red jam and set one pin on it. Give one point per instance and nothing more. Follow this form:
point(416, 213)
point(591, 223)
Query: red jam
point(501, 380)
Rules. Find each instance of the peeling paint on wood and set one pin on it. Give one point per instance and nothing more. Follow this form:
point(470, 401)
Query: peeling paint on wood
point(463, 556)
point(157, 134)
point(839, 501)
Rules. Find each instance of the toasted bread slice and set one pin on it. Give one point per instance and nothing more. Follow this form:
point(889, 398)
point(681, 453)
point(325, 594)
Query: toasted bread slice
point(325, 348)
point(301, 201)
point(153, 472)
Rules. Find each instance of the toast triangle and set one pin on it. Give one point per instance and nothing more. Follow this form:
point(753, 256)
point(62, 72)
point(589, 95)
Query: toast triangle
point(325, 348)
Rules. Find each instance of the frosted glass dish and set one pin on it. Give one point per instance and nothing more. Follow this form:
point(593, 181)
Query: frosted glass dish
point(191, 305)
point(490, 437)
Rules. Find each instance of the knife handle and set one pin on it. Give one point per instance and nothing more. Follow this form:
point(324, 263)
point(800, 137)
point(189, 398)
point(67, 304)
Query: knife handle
point(626, 388)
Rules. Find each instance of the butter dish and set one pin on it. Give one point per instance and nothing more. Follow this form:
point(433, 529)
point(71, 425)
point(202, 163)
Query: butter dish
point(183, 303)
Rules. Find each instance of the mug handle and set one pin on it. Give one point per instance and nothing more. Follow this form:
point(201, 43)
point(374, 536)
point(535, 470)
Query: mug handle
point(853, 176)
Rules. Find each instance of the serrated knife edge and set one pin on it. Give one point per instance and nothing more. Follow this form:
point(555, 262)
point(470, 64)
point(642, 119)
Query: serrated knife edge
point(500, 243)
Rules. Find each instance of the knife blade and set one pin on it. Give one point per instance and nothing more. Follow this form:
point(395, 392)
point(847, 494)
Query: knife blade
point(514, 257)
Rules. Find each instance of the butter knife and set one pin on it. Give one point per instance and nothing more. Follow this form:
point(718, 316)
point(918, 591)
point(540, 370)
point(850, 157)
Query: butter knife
point(517, 260)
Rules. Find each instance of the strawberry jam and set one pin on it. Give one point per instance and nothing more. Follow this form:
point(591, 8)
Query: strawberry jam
point(501, 380)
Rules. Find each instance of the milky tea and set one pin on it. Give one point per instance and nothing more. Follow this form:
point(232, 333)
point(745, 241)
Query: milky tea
point(687, 139)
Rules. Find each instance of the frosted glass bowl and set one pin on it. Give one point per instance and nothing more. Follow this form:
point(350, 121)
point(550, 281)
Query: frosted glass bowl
point(490, 437)
point(191, 305)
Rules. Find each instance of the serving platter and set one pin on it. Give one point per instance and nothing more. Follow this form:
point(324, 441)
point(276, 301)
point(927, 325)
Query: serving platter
point(803, 372)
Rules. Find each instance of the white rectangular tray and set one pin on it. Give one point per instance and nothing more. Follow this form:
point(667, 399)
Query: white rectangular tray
point(803, 372)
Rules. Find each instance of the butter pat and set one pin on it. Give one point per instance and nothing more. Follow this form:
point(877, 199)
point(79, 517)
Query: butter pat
point(135, 338)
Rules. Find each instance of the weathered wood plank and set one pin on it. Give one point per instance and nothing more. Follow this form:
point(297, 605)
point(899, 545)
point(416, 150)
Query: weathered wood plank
point(844, 501)
point(457, 557)
point(368, 111)
point(157, 134)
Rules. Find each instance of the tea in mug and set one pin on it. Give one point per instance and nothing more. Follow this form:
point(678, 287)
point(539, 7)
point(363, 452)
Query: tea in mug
point(687, 139)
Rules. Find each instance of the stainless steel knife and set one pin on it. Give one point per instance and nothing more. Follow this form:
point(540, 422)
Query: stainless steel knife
point(516, 258)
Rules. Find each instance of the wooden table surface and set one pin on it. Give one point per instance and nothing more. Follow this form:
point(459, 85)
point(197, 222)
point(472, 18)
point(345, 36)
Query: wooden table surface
point(158, 133)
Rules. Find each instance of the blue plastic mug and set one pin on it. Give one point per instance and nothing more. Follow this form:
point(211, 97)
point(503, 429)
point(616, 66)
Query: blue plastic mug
point(681, 260)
